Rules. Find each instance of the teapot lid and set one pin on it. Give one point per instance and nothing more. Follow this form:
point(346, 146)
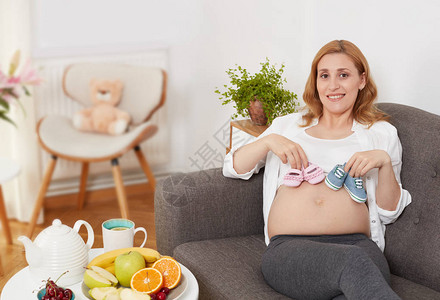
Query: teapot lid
point(57, 228)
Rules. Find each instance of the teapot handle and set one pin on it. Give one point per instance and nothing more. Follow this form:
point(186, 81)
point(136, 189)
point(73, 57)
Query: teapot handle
point(90, 233)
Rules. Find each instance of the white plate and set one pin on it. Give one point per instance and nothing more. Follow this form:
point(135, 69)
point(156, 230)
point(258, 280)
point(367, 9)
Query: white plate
point(174, 294)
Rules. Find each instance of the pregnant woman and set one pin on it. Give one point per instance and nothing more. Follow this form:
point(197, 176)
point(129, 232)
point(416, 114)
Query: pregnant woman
point(321, 243)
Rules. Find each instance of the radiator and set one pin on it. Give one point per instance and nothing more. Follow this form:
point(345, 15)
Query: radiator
point(50, 99)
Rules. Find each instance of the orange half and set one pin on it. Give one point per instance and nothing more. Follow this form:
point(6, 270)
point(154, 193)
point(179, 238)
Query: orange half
point(148, 280)
point(170, 270)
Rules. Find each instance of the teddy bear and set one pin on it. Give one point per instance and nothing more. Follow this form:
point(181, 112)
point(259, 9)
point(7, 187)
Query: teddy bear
point(103, 116)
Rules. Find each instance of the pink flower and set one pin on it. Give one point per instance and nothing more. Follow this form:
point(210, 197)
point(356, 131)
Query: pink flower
point(4, 81)
point(11, 87)
point(8, 98)
point(28, 75)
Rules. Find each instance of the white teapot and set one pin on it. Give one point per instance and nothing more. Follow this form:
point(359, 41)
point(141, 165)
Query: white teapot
point(58, 249)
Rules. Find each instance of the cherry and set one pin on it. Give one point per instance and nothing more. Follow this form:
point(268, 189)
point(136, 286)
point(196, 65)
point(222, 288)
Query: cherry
point(165, 290)
point(161, 296)
point(153, 297)
point(68, 293)
point(50, 291)
point(54, 292)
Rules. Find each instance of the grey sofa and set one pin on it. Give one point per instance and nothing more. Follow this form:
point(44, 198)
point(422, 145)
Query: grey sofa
point(214, 225)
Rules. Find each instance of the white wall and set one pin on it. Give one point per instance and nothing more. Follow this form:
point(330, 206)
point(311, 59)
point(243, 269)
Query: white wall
point(399, 38)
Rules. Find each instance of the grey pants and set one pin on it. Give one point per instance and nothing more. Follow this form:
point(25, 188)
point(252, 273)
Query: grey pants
point(347, 266)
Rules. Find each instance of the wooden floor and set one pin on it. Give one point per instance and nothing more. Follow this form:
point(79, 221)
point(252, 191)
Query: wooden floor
point(101, 205)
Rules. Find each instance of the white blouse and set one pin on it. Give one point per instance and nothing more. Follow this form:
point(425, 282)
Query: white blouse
point(381, 135)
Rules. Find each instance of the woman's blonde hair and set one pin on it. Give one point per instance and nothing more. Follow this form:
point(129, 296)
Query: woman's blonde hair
point(364, 110)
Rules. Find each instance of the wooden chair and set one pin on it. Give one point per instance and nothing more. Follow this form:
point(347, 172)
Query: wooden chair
point(4, 219)
point(144, 93)
point(8, 170)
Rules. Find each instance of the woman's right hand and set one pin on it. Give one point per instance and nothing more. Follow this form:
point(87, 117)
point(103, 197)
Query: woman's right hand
point(287, 150)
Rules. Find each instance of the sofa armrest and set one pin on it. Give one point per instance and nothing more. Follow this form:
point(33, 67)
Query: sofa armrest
point(206, 205)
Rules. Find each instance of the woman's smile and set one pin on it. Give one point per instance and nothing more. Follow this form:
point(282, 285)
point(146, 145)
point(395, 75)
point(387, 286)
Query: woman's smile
point(335, 97)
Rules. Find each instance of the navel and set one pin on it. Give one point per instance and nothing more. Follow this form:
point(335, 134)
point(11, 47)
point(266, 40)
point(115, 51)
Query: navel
point(319, 201)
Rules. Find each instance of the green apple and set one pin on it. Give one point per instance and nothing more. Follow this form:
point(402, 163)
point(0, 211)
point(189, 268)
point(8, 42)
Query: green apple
point(99, 293)
point(106, 274)
point(129, 294)
point(93, 279)
point(126, 265)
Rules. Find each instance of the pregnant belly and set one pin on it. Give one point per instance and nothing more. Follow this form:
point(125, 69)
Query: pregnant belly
point(316, 210)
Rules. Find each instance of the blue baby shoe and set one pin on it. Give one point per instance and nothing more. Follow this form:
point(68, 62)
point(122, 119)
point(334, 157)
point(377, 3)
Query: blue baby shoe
point(355, 187)
point(335, 179)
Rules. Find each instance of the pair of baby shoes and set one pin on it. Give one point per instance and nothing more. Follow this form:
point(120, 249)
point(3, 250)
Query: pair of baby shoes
point(313, 174)
point(354, 185)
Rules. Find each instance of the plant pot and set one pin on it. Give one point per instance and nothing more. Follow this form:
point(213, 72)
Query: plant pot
point(256, 112)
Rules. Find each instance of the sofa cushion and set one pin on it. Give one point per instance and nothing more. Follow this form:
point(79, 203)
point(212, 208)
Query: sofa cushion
point(228, 268)
point(409, 290)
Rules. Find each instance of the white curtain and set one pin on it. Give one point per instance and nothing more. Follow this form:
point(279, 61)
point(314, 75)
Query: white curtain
point(19, 144)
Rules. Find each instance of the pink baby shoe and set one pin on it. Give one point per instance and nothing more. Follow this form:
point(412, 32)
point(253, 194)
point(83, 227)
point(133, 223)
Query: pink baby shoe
point(293, 177)
point(313, 174)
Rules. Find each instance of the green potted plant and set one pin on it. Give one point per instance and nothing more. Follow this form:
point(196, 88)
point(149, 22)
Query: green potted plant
point(261, 93)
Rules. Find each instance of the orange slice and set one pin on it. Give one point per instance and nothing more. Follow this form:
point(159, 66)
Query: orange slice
point(148, 280)
point(170, 270)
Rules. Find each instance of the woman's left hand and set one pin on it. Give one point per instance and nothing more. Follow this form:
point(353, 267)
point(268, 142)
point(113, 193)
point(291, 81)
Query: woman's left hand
point(362, 162)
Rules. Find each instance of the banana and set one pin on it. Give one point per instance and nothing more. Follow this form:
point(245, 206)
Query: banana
point(111, 269)
point(150, 255)
point(107, 259)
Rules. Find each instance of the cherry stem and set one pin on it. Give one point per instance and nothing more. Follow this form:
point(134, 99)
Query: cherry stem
point(61, 275)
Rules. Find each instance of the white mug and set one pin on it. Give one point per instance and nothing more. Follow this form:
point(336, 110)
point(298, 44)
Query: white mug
point(119, 233)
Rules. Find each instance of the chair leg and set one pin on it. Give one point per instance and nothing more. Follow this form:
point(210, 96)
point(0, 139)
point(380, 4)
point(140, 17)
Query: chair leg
point(4, 219)
point(41, 194)
point(83, 185)
point(120, 190)
point(145, 167)
point(1, 268)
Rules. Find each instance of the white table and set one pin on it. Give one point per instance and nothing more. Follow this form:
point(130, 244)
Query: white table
point(22, 286)
point(8, 170)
